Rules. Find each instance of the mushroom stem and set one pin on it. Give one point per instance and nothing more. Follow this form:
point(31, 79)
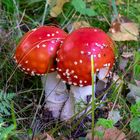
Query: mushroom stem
point(78, 99)
point(55, 93)
point(68, 109)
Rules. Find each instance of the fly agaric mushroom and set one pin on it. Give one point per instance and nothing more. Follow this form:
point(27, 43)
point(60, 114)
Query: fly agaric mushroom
point(74, 60)
point(36, 54)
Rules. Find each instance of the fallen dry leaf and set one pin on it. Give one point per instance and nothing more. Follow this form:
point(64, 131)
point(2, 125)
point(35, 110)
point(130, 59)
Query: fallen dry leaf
point(116, 79)
point(124, 30)
point(118, 2)
point(79, 24)
point(109, 134)
point(137, 82)
point(134, 94)
point(88, 0)
point(44, 136)
point(57, 9)
point(127, 54)
point(114, 115)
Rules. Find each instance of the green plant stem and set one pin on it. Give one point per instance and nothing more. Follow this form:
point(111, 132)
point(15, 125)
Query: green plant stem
point(93, 95)
point(13, 115)
point(115, 12)
point(128, 5)
point(44, 14)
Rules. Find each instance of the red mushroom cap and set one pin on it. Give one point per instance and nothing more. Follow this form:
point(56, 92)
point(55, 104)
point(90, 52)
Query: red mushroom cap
point(36, 52)
point(74, 57)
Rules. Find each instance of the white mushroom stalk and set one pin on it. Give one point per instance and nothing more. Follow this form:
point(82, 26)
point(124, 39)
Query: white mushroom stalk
point(56, 94)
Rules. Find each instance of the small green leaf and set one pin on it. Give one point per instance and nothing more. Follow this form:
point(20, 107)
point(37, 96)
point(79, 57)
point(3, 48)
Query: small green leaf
point(90, 12)
point(137, 66)
point(99, 134)
point(135, 124)
point(105, 123)
point(135, 109)
point(80, 6)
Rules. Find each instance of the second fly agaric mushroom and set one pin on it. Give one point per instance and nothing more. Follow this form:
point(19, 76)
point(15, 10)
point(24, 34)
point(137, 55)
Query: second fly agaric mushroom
point(74, 60)
point(35, 55)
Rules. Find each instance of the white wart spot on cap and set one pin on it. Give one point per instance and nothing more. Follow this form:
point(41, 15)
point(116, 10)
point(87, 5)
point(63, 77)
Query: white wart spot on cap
point(80, 61)
point(75, 62)
point(26, 61)
point(57, 52)
point(52, 69)
point(72, 71)
point(89, 53)
point(95, 30)
point(68, 74)
point(64, 74)
point(51, 48)
point(53, 34)
point(99, 55)
point(57, 32)
point(80, 81)
point(44, 45)
point(69, 83)
point(85, 82)
point(97, 70)
point(97, 44)
point(48, 35)
point(28, 69)
point(59, 69)
point(105, 65)
point(57, 60)
point(82, 52)
point(75, 84)
point(108, 64)
point(52, 41)
point(38, 46)
point(32, 73)
point(67, 70)
point(75, 76)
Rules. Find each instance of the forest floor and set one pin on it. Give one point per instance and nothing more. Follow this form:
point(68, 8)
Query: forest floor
point(22, 115)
